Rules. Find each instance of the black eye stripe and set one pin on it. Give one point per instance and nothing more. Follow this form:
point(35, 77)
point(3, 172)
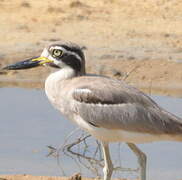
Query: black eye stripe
point(74, 50)
point(72, 55)
point(72, 61)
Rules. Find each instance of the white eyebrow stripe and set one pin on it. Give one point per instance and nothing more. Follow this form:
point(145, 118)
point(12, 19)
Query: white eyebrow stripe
point(69, 52)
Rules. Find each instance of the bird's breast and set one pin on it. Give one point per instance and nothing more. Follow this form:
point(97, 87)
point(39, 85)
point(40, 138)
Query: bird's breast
point(57, 91)
point(50, 88)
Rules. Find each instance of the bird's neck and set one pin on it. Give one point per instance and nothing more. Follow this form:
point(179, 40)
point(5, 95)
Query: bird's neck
point(62, 74)
point(56, 80)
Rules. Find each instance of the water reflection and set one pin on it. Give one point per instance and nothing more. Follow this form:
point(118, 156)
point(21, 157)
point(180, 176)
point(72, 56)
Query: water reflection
point(29, 123)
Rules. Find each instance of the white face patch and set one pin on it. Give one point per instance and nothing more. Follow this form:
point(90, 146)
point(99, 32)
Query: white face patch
point(45, 53)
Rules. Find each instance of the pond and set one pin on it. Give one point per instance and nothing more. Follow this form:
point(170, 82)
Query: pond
point(29, 124)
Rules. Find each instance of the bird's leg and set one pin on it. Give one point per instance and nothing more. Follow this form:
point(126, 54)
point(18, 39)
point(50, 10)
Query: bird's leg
point(142, 159)
point(108, 166)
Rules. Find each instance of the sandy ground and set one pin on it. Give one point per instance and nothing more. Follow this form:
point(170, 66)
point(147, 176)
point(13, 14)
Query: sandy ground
point(30, 177)
point(139, 41)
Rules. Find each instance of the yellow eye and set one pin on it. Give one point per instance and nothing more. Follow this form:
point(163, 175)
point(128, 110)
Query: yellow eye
point(57, 53)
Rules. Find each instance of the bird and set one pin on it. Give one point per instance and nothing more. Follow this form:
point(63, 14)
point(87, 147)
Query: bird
point(109, 109)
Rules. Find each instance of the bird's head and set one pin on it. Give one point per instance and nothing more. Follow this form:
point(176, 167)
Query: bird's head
point(60, 55)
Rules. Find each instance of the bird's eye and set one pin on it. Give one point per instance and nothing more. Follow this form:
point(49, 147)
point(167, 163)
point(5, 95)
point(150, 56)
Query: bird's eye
point(57, 53)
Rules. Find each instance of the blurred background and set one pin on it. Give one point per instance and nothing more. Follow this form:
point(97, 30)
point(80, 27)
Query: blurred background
point(139, 41)
point(141, 36)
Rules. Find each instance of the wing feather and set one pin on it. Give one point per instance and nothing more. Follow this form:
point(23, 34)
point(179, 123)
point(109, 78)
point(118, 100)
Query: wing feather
point(120, 106)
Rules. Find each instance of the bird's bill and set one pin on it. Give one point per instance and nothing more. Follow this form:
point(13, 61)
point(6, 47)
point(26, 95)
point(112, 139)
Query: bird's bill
point(28, 63)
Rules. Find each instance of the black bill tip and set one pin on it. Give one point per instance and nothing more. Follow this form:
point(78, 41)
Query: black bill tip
point(26, 64)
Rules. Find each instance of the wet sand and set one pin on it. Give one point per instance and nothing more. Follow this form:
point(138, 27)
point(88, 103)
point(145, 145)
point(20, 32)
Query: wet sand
point(30, 177)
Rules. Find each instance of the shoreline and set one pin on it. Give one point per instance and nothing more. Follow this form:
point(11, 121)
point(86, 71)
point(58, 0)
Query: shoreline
point(152, 77)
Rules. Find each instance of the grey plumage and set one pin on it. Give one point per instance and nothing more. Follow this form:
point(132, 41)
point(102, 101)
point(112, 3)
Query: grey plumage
point(121, 106)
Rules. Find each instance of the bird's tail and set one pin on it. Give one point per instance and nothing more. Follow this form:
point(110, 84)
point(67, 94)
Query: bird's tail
point(175, 124)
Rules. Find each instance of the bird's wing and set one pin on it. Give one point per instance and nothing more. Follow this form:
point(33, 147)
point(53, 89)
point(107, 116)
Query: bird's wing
point(111, 107)
point(109, 91)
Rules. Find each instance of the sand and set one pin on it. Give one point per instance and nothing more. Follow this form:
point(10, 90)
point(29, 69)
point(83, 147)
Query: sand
point(30, 177)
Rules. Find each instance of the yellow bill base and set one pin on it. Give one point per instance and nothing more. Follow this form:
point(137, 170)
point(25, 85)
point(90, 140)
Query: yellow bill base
point(42, 60)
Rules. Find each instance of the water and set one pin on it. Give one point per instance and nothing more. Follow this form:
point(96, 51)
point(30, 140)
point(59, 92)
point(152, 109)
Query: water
point(29, 123)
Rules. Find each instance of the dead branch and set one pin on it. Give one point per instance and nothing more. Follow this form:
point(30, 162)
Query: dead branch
point(128, 73)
